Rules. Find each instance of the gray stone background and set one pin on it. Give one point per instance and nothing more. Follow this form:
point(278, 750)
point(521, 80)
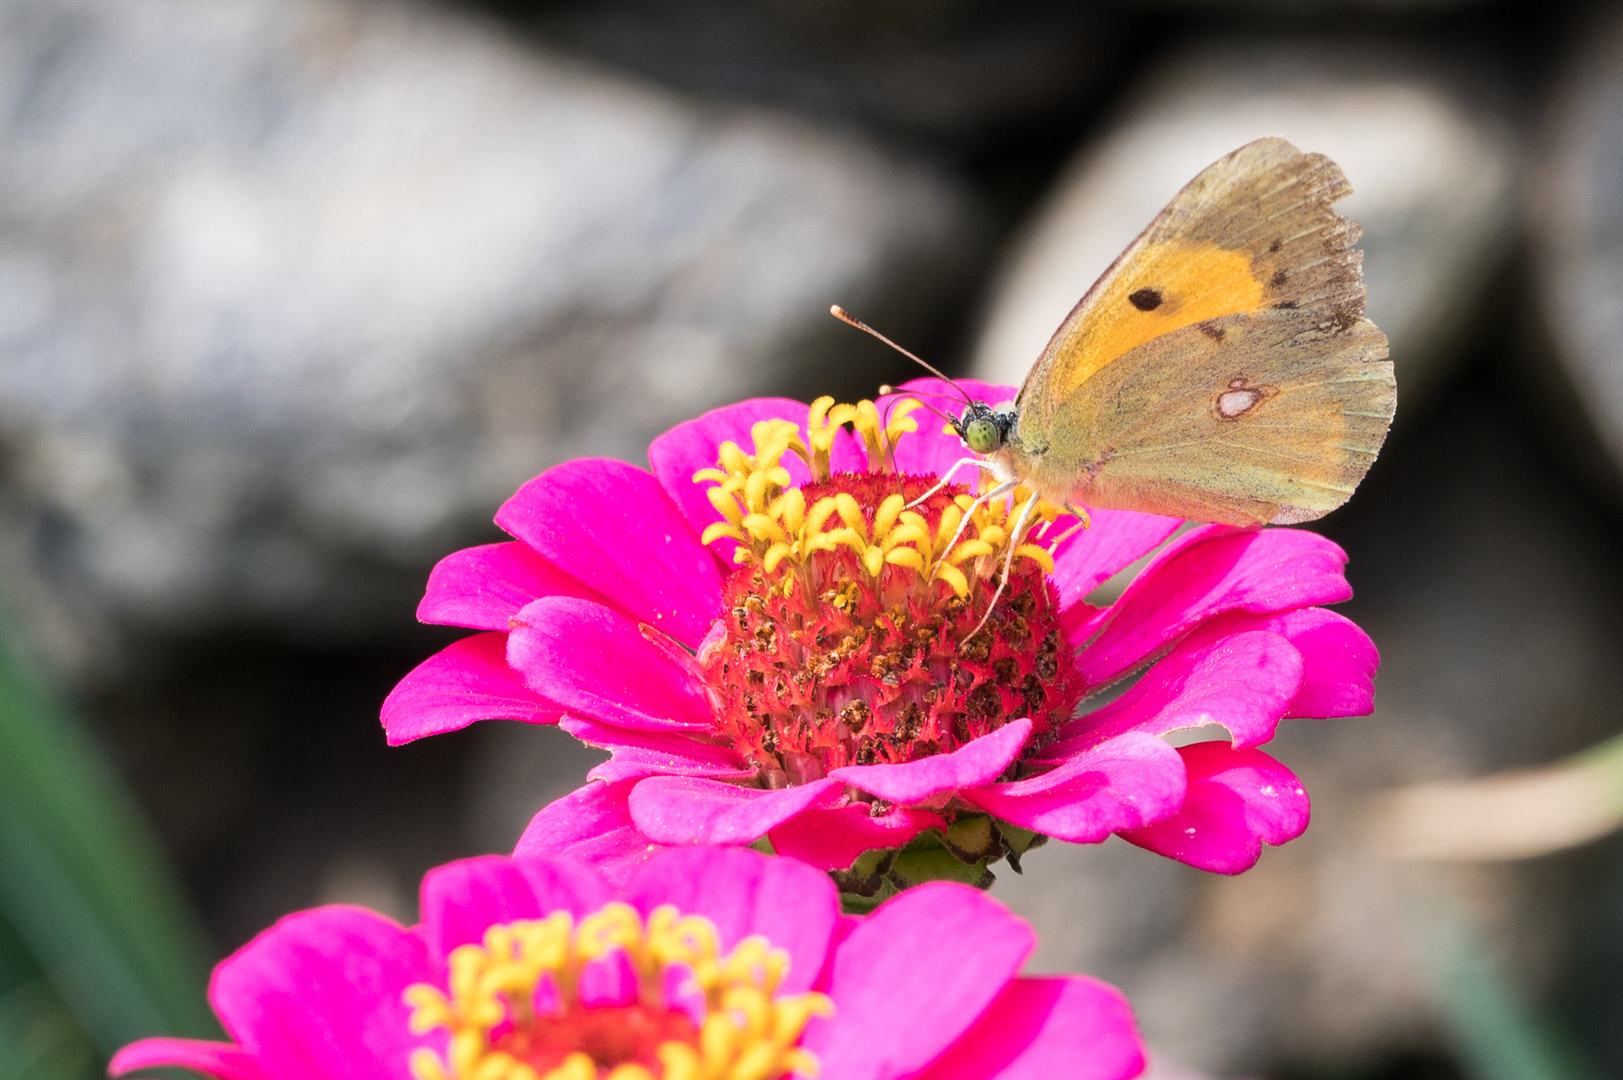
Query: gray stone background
point(294, 292)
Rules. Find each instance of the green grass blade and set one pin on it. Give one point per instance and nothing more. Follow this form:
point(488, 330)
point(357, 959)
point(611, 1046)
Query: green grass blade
point(83, 882)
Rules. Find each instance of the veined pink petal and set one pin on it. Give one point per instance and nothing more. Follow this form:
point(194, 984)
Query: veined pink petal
point(913, 978)
point(1130, 781)
point(1206, 572)
point(318, 995)
point(655, 753)
point(610, 526)
point(466, 681)
point(975, 763)
point(1339, 659)
point(834, 839)
point(484, 587)
point(637, 762)
point(461, 899)
point(593, 825)
point(224, 1060)
point(1114, 539)
point(693, 810)
point(694, 444)
point(1244, 682)
point(1039, 1029)
point(597, 663)
point(930, 449)
point(1238, 800)
point(742, 893)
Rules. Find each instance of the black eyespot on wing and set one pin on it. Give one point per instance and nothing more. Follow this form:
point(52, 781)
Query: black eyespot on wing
point(1145, 299)
point(1213, 330)
point(1278, 243)
point(1278, 279)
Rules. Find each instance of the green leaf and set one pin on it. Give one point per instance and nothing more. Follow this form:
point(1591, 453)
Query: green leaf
point(83, 882)
point(1495, 1032)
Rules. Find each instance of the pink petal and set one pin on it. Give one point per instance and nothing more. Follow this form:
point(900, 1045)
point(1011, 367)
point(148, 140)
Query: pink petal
point(609, 525)
point(743, 893)
point(930, 450)
point(693, 810)
point(1244, 682)
point(655, 753)
point(466, 681)
point(913, 977)
point(318, 995)
point(484, 587)
point(591, 825)
point(1206, 572)
point(608, 982)
point(834, 839)
point(595, 662)
point(696, 444)
point(1125, 783)
point(638, 762)
point(461, 900)
point(1238, 800)
point(1114, 539)
point(1039, 1029)
point(224, 1060)
point(975, 763)
point(1340, 660)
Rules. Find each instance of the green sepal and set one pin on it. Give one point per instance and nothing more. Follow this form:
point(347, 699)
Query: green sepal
point(964, 854)
point(916, 867)
point(973, 838)
point(1017, 841)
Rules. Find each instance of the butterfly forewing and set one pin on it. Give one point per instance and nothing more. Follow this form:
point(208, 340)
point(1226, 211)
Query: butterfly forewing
point(1221, 368)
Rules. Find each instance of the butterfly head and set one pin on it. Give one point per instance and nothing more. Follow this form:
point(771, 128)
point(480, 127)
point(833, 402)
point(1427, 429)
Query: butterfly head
point(984, 429)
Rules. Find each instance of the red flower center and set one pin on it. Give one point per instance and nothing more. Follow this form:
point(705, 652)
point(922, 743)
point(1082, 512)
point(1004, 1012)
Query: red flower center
point(610, 1036)
point(860, 626)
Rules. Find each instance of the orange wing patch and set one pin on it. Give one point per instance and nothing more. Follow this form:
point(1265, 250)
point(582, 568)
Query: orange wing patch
point(1170, 286)
point(1253, 231)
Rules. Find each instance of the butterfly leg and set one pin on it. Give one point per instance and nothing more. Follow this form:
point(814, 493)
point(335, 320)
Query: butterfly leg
point(945, 479)
point(1008, 560)
point(963, 523)
point(1083, 521)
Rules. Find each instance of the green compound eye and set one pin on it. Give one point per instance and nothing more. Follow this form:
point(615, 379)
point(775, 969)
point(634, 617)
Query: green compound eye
point(982, 436)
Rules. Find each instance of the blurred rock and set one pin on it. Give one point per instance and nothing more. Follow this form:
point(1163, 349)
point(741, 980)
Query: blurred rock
point(1432, 168)
point(294, 292)
point(1302, 11)
point(964, 76)
point(1575, 219)
point(514, 771)
point(1493, 593)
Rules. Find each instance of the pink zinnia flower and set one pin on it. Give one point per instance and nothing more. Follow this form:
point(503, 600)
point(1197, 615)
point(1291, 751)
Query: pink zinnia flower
point(709, 964)
point(782, 642)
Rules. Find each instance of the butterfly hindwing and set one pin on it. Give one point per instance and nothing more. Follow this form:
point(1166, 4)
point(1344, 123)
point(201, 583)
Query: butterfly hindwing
point(1272, 418)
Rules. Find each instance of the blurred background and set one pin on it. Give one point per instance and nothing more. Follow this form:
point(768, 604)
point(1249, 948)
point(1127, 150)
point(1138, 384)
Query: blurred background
point(294, 292)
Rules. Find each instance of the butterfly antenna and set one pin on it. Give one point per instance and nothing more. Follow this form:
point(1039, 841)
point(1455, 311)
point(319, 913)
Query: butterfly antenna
point(886, 388)
point(851, 320)
point(905, 394)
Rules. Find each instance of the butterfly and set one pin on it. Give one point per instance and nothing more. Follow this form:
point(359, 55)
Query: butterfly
point(1220, 370)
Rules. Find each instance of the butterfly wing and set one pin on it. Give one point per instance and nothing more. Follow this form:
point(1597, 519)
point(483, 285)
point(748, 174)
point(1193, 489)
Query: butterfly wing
point(1268, 416)
point(1252, 251)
